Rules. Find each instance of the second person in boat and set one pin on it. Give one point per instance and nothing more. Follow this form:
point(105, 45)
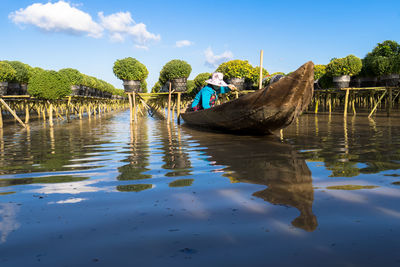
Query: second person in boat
point(208, 95)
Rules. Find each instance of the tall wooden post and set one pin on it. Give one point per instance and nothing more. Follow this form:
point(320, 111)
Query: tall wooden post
point(134, 106)
point(178, 109)
point(1, 117)
point(261, 68)
point(169, 103)
point(26, 112)
point(389, 105)
point(346, 102)
point(51, 115)
point(130, 106)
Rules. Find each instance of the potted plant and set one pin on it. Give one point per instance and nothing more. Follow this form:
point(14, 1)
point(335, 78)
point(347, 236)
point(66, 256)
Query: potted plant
point(176, 71)
point(18, 86)
point(74, 78)
point(341, 69)
point(7, 73)
point(236, 72)
point(132, 72)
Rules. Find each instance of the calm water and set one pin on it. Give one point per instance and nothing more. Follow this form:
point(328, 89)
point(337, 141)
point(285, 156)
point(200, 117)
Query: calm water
point(102, 193)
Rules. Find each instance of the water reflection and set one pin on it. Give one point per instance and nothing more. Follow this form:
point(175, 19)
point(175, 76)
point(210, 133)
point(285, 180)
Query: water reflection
point(342, 143)
point(8, 220)
point(175, 158)
point(265, 161)
point(138, 153)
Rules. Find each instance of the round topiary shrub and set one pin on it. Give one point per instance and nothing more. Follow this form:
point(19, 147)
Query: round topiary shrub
point(49, 84)
point(350, 65)
point(74, 76)
point(22, 71)
point(319, 71)
point(130, 69)
point(175, 69)
point(236, 69)
point(7, 72)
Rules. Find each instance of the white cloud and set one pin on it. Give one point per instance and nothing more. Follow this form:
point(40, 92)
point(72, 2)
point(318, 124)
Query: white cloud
point(64, 17)
point(121, 24)
point(57, 17)
point(183, 43)
point(214, 61)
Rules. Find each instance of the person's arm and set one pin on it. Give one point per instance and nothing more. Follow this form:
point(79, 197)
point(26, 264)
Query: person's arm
point(226, 89)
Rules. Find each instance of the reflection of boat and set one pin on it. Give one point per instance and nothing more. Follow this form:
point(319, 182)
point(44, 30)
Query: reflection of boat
point(263, 111)
point(265, 161)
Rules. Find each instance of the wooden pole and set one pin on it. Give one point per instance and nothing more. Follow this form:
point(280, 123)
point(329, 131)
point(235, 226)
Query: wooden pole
point(12, 112)
point(261, 68)
point(26, 112)
point(376, 105)
point(51, 115)
point(346, 102)
point(169, 102)
point(134, 106)
point(389, 106)
point(1, 118)
point(130, 106)
point(179, 108)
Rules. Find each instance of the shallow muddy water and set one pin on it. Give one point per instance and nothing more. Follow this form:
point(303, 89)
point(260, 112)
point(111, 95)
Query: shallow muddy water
point(102, 193)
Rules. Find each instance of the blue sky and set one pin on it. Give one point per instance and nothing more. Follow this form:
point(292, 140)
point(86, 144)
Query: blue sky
point(90, 35)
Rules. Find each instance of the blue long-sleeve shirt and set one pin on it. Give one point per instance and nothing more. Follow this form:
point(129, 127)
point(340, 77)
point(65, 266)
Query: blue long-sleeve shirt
point(205, 94)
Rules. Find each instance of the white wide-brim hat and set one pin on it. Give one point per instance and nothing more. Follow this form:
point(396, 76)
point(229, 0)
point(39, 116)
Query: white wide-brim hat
point(217, 78)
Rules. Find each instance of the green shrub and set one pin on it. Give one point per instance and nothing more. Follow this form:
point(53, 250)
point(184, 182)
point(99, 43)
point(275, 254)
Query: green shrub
point(256, 75)
point(49, 84)
point(385, 65)
point(156, 88)
point(200, 79)
point(236, 69)
point(386, 49)
point(74, 76)
point(325, 81)
point(7, 72)
point(22, 71)
point(130, 69)
point(367, 66)
point(175, 69)
point(319, 71)
point(350, 65)
point(190, 86)
point(143, 86)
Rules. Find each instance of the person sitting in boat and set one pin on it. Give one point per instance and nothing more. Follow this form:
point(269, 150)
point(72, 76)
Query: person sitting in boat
point(208, 95)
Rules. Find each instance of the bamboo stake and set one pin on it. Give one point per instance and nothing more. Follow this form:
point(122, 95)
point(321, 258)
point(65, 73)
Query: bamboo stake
point(346, 102)
point(261, 73)
point(134, 106)
point(1, 118)
point(26, 112)
point(50, 113)
point(130, 107)
point(376, 105)
point(169, 102)
point(12, 112)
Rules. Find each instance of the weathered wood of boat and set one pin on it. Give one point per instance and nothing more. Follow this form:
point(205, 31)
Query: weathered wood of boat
point(263, 111)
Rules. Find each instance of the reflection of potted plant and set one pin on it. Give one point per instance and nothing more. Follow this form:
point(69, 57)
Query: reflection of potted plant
point(7, 73)
point(132, 72)
point(75, 79)
point(237, 72)
point(177, 71)
point(341, 69)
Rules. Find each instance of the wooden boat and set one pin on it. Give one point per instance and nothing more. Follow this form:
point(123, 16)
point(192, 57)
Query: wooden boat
point(263, 111)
